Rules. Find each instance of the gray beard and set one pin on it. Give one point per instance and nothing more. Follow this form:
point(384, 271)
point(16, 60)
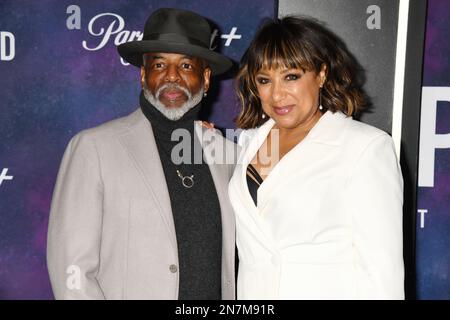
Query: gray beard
point(176, 113)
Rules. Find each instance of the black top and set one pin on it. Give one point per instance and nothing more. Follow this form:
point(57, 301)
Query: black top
point(254, 180)
point(196, 211)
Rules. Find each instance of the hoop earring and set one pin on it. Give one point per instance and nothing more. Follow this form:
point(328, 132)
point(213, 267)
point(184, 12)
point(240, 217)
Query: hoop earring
point(263, 115)
point(205, 94)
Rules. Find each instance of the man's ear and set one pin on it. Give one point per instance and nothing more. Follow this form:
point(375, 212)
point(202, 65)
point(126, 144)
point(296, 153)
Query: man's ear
point(206, 78)
point(142, 76)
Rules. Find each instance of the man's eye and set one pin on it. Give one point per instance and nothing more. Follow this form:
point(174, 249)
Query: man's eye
point(262, 80)
point(186, 66)
point(292, 77)
point(158, 65)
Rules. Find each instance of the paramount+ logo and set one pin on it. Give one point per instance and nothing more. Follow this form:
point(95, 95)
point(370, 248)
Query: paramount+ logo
point(7, 46)
point(110, 27)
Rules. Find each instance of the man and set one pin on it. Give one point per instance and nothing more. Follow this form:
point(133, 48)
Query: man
point(128, 219)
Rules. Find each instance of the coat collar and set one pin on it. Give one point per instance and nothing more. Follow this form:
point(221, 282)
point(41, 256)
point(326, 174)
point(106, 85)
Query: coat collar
point(327, 130)
point(326, 134)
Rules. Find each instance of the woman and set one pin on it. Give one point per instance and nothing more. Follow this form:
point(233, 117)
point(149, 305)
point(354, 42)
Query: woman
point(317, 195)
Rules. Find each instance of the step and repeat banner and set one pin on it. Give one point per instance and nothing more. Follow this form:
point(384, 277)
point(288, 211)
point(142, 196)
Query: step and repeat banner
point(59, 74)
point(433, 210)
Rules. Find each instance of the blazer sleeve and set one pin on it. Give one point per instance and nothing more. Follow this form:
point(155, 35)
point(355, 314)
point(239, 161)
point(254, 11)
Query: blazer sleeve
point(73, 246)
point(376, 190)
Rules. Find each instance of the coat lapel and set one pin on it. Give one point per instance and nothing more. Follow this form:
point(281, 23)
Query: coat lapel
point(144, 154)
point(325, 135)
point(254, 217)
point(314, 148)
point(213, 147)
point(140, 143)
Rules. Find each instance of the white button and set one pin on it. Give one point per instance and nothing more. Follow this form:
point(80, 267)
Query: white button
point(173, 268)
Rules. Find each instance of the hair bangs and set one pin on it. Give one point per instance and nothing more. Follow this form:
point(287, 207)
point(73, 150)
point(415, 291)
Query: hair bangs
point(277, 52)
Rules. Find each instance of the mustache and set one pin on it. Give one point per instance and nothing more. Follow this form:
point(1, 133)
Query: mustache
point(173, 86)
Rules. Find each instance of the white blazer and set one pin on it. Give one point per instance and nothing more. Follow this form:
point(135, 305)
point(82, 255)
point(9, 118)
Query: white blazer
point(328, 224)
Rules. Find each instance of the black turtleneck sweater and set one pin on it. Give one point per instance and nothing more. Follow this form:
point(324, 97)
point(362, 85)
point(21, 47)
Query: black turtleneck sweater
point(196, 210)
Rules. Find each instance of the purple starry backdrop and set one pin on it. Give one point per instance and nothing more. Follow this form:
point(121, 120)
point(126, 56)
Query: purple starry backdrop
point(433, 241)
point(55, 88)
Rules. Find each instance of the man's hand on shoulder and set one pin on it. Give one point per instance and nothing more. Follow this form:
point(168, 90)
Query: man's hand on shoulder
point(208, 125)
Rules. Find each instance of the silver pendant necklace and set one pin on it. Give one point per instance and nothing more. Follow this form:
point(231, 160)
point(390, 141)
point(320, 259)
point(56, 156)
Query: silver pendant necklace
point(187, 181)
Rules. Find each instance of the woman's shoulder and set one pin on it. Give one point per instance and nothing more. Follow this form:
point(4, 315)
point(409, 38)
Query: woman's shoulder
point(364, 132)
point(342, 129)
point(361, 137)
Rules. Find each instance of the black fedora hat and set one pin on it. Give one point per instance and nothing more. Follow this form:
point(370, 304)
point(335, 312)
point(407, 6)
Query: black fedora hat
point(175, 31)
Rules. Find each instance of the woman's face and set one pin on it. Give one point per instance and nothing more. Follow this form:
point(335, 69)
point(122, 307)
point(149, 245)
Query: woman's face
point(290, 96)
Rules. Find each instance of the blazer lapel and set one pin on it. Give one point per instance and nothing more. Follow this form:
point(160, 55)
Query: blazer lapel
point(253, 146)
point(140, 143)
point(314, 148)
point(254, 215)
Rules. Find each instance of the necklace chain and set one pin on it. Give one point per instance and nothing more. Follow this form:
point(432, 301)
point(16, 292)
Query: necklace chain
point(186, 181)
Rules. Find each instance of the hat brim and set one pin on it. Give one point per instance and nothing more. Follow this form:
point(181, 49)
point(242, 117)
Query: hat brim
point(132, 52)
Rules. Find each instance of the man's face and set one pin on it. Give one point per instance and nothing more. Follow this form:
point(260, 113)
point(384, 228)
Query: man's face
point(173, 79)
